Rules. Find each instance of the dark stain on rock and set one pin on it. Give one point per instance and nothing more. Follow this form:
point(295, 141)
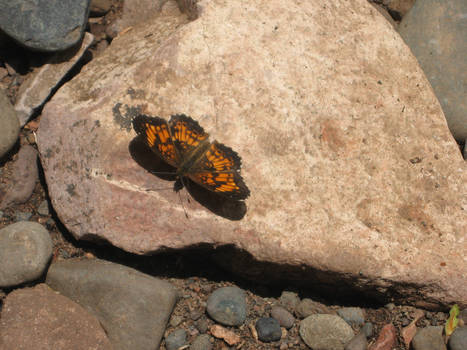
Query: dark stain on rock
point(136, 94)
point(124, 119)
point(70, 188)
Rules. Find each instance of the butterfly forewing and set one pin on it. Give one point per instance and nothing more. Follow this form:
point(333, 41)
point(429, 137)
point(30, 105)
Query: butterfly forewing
point(156, 134)
point(187, 134)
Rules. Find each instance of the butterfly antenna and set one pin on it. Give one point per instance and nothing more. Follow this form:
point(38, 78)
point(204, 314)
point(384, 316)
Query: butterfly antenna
point(186, 186)
point(180, 196)
point(181, 202)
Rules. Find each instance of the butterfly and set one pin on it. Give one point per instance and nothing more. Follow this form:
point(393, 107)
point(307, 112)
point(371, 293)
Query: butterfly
point(182, 143)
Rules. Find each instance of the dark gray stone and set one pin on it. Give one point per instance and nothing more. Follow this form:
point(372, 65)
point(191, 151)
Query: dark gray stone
point(268, 329)
point(202, 342)
point(176, 339)
point(436, 31)
point(227, 306)
point(458, 339)
point(9, 124)
point(47, 25)
point(132, 307)
point(352, 315)
point(284, 317)
point(25, 250)
point(429, 338)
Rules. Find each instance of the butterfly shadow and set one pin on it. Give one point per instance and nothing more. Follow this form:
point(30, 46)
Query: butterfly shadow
point(228, 208)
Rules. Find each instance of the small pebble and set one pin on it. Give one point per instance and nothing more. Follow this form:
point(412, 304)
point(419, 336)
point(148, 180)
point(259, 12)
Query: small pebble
point(352, 315)
point(176, 339)
point(289, 300)
point(429, 338)
point(458, 339)
point(227, 306)
point(357, 343)
point(390, 306)
point(308, 307)
point(463, 316)
point(23, 216)
point(202, 342)
point(367, 329)
point(325, 332)
point(43, 208)
point(195, 314)
point(386, 339)
point(25, 250)
point(202, 325)
point(176, 320)
point(284, 317)
point(268, 329)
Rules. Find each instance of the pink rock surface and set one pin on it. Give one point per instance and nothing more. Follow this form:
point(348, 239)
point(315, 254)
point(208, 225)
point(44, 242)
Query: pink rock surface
point(38, 318)
point(386, 338)
point(351, 166)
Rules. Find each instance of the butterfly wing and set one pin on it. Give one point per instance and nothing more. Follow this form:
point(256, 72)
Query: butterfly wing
point(219, 171)
point(156, 133)
point(187, 135)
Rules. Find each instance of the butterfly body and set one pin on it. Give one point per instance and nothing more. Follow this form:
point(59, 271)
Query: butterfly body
point(184, 144)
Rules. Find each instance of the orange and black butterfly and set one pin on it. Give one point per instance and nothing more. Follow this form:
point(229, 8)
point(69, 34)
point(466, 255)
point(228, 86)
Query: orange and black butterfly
point(183, 144)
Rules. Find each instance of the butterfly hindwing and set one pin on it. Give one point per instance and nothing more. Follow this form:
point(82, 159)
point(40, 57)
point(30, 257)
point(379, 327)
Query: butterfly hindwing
point(156, 134)
point(219, 171)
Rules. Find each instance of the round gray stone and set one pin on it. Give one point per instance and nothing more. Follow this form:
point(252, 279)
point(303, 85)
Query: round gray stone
point(357, 343)
point(289, 300)
point(25, 249)
point(202, 342)
point(284, 317)
point(9, 124)
point(352, 315)
point(429, 338)
point(227, 306)
point(325, 332)
point(176, 339)
point(47, 25)
point(458, 339)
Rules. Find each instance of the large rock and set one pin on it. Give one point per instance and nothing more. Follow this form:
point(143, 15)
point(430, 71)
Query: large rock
point(132, 307)
point(436, 31)
point(44, 25)
point(38, 87)
point(38, 318)
point(350, 163)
